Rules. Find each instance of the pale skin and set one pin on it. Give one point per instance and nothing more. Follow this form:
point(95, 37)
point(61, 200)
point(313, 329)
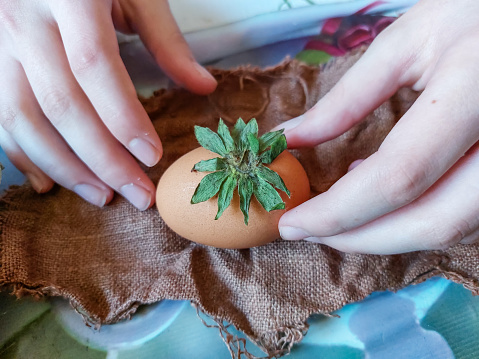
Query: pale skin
point(69, 114)
point(68, 110)
point(420, 190)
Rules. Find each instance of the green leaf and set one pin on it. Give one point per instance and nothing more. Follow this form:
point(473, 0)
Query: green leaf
point(268, 139)
point(245, 191)
point(250, 128)
point(273, 178)
point(210, 140)
point(253, 143)
point(225, 135)
point(226, 194)
point(209, 186)
point(241, 167)
point(313, 57)
point(275, 150)
point(237, 131)
point(267, 195)
point(211, 165)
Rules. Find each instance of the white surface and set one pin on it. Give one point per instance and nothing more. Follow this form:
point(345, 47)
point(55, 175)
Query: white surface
point(196, 15)
point(145, 324)
point(216, 29)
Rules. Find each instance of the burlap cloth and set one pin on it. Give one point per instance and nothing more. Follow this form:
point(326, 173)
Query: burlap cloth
point(108, 261)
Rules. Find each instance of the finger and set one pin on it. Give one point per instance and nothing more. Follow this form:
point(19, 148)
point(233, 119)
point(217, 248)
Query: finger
point(365, 86)
point(444, 216)
point(66, 106)
point(92, 50)
point(35, 147)
point(119, 19)
point(354, 164)
point(159, 32)
point(471, 238)
point(416, 153)
point(39, 180)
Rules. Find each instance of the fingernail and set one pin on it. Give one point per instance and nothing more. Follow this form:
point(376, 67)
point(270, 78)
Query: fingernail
point(289, 125)
point(293, 233)
point(204, 72)
point(138, 196)
point(144, 151)
point(90, 193)
point(37, 183)
point(354, 164)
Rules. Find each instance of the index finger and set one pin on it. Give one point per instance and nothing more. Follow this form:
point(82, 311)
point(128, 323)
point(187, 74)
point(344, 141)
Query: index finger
point(416, 153)
point(158, 30)
point(91, 47)
point(387, 65)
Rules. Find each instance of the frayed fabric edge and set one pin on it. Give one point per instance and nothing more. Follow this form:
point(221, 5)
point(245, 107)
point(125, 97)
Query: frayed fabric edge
point(470, 284)
point(282, 339)
point(20, 290)
point(275, 343)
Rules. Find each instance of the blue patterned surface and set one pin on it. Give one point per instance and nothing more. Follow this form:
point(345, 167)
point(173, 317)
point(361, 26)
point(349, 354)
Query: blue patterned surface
point(436, 319)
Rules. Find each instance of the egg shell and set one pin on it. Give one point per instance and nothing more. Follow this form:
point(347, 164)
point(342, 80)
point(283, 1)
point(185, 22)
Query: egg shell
point(197, 223)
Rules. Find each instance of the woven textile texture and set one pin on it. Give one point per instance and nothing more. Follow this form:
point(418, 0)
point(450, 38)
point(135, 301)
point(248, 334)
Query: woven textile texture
point(108, 261)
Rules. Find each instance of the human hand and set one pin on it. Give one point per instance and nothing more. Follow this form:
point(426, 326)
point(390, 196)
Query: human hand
point(68, 110)
point(420, 189)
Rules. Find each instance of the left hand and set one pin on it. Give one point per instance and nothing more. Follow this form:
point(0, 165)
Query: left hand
point(420, 189)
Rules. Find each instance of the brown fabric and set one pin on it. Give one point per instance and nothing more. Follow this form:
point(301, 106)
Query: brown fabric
point(108, 261)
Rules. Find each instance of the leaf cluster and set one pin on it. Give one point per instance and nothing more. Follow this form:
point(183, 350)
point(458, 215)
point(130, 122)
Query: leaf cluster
point(241, 166)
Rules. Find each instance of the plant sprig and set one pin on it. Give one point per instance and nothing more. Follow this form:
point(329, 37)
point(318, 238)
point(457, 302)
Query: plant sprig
point(241, 165)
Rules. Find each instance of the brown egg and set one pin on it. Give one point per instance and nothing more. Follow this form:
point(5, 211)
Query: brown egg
point(197, 223)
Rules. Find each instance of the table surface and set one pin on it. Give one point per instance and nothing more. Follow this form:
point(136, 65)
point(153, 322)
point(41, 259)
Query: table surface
point(435, 319)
